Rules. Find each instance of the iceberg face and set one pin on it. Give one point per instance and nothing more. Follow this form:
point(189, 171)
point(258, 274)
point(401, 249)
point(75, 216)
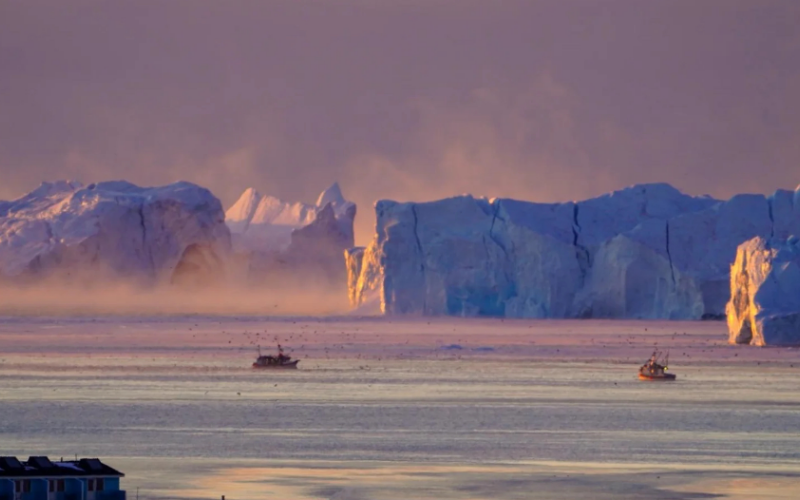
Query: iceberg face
point(238, 217)
point(542, 267)
point(354, 260)
point(296, 241)
point(265, 223)
point(631, 280)
point(316, 249)
point(604, 217)
point(110, 229)
point(764, 308)
point(332, 195)
point(796, 200)
point(461, 256)
point(785, 213)
point(474, 257)
point(199, 266)
point(365, 275)
point(403, 290)
point(704, 243)
point(646, 251)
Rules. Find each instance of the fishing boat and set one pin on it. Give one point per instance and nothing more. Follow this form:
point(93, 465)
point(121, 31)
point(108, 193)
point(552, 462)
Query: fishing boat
point(654, 370)
point(280, 362)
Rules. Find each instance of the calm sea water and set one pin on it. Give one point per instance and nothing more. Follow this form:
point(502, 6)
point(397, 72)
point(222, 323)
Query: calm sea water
point(188, 420)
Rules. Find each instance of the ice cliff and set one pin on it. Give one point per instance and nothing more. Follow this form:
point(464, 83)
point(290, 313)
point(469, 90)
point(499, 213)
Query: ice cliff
point(764, 308)
point(113, 230)
point(647, 251)
point(303, 243)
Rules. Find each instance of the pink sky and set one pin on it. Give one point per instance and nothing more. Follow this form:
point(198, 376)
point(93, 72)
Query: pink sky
point(408, 99)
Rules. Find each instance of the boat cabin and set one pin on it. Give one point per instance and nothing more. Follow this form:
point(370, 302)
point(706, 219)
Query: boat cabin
point(654, 370)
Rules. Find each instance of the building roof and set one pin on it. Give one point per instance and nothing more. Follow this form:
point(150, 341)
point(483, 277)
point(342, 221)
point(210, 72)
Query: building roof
point(44, 467)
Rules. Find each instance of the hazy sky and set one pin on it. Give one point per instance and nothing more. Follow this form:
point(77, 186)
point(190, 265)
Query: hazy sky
point(406, 99)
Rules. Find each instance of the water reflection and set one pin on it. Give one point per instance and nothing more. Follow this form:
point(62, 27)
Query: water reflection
point(540, 416)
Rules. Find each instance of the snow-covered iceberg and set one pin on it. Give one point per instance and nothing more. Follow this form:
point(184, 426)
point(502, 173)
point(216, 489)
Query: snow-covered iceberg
point(295, 241)
point(764, 308)
point(112, 230)
point(647, 251)
point(264, 223)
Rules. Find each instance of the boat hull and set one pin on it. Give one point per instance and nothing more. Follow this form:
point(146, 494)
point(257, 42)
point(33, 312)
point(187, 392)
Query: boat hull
point(291, 365)
point(667, 377)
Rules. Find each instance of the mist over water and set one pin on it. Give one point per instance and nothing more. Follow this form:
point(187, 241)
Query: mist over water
point(114, 298)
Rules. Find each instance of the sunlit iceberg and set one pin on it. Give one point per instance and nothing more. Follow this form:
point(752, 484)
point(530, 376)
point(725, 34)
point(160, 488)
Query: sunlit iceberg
point(764, 308)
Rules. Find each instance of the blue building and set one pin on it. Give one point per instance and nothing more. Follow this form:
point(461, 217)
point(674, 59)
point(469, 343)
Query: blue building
point(41, 479)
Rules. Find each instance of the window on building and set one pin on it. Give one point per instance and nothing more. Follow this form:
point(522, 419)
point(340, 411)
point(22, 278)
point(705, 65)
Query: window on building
point(60, 485)
point(22, 486)
point(91, 485)
point(99, 485)
point(51, 485)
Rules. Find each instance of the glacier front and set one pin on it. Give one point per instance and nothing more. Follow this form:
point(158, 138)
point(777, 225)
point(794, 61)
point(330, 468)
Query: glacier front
point(647, 251)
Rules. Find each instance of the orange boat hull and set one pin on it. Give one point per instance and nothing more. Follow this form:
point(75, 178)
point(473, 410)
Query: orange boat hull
point(667, 377)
